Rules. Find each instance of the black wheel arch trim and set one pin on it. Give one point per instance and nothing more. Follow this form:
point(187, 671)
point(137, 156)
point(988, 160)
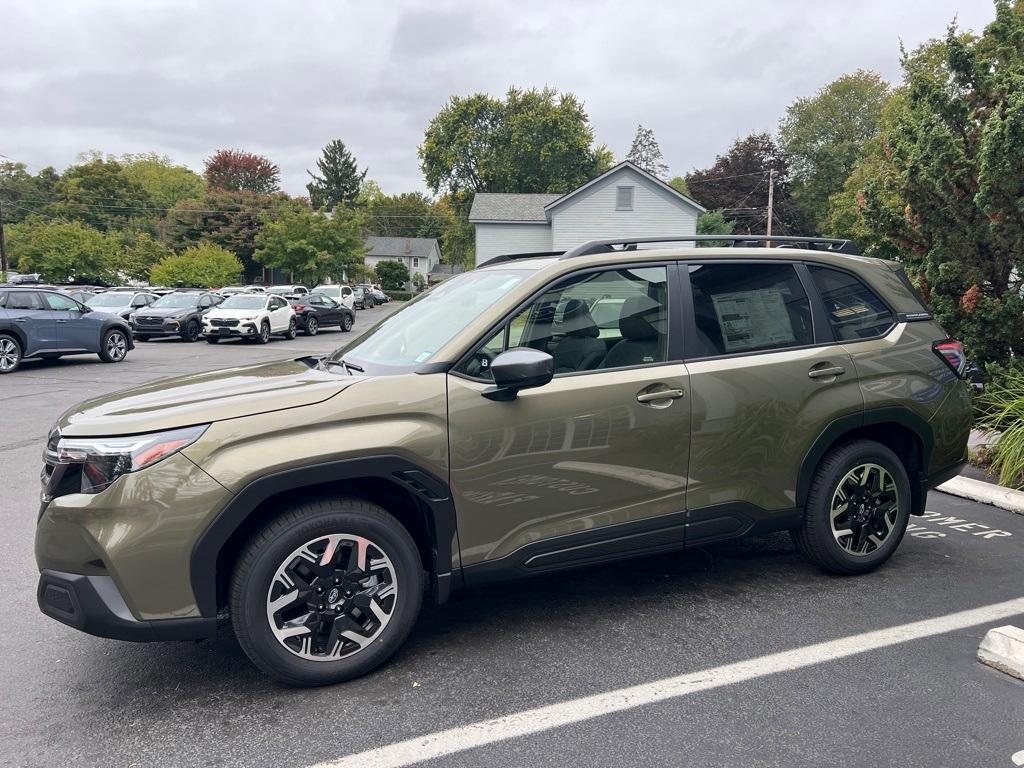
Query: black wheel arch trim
point(430, 491)
point(836, 429)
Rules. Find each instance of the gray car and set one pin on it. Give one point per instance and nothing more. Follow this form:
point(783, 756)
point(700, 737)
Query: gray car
point(38, 323)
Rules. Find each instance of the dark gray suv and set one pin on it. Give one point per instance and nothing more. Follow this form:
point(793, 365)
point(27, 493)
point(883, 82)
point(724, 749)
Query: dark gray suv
point(40, 323)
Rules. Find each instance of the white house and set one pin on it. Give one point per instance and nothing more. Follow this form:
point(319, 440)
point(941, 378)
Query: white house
point(622, 202)
point(419, 254)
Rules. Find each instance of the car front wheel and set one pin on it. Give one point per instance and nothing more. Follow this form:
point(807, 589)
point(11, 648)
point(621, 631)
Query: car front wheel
point(191, 332)
point(10, 354)
point(857, 509)
point(264, 335)
point(114, 348)
point(326, 592)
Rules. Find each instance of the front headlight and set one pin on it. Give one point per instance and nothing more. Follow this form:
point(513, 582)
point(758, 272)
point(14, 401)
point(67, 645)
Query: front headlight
point(131, 318)
point(104, 459)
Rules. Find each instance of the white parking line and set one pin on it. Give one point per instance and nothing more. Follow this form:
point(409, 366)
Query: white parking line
point(455, 740)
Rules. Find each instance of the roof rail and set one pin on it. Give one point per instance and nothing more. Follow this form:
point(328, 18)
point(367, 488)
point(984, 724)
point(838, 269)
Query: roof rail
point(834, 245)
point(517, 256)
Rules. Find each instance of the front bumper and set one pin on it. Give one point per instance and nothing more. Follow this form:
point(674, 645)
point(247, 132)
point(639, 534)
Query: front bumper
point(93, 604)
point(165, 329)
point(245, 330)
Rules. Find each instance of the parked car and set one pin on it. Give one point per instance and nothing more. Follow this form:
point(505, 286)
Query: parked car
point(487, 431)
point(372, 296)
point(288, 290)
point(120, 302)
point(81, 294)
point(317, 310)
point(250, 316)
point(231, 290)
point(342, 294)
point(42, 323)
point(360, 299)
point(179, 313)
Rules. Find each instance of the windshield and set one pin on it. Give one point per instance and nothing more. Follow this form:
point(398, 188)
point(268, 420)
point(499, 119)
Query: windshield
point(280, 290)
point(334, 291)
point(111, 300)
point(243, 301)
point(175, 301)
point(414, 333)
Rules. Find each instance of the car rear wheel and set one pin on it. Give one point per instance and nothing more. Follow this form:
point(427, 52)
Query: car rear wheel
point(857, 509)
point(264, 335)
point(312, 326)
point(291, 332)
point(326, 592)
point(346, 322)
point(114, 347)
point(10, 354)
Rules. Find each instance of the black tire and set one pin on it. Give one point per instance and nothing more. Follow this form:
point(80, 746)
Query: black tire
point(264, 335)
point(292, 330)
point(312, 326)
point(370, 303)
point(815, 538)
point(191, 331)
point(254, 574)
point(346, 322)
point(114, 346)
point(212, 339)
point(141, 337)
point(10, 353)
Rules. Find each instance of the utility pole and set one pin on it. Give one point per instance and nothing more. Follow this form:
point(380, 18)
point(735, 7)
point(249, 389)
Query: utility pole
point(771, 206)
point(3, 246)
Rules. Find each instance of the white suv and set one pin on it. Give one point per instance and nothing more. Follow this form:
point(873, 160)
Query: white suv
point(250, 316)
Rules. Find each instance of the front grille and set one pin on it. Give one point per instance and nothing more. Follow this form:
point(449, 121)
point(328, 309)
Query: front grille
point(217, 322)
point(149, 320)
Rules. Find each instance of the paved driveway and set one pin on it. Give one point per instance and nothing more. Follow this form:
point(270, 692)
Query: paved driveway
point(70, 699)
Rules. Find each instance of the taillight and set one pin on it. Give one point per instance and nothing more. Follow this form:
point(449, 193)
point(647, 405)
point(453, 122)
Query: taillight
point(299, 307)
point(952, 352)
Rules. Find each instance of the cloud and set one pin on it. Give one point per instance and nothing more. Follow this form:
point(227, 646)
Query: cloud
point(187, 78)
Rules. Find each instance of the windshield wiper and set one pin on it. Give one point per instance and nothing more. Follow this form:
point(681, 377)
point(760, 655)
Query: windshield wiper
point(349, 367)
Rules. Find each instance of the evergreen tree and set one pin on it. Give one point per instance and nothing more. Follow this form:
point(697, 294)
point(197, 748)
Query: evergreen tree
point(339, 179)
point(646, 153)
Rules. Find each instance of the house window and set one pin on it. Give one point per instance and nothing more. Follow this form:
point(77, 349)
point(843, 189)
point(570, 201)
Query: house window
point(415, 262)
point(623, 198)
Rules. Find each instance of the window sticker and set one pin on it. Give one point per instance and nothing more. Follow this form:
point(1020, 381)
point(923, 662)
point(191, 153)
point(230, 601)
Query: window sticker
point(753, 319)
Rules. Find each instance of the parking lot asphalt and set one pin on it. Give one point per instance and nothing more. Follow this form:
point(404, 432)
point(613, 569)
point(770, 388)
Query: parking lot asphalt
point(71, 699)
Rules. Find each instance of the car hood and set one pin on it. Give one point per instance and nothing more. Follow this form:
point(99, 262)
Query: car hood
point(203, 397)
point(233, 314)
point(163, 311)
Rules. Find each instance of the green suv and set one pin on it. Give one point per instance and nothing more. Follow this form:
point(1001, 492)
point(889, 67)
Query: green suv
point(539, 413)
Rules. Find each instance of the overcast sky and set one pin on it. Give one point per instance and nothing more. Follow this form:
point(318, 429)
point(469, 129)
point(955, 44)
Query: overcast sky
point(284, 78)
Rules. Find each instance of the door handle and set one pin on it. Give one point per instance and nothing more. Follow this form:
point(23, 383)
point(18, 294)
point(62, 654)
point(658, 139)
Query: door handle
point(62, 321)
point(821, 373)
point(662, 394)
point(21, 319)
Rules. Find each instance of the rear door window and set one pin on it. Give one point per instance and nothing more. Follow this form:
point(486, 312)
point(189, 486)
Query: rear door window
point(747, 307)
point(24, 300)
point(854, 311)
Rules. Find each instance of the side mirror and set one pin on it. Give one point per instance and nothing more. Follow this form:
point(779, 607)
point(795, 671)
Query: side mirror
point(519, 368)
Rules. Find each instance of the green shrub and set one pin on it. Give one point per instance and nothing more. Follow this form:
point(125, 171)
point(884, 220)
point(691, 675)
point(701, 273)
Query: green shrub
point(201, 266)
point(1001, 406)
point(399, 295)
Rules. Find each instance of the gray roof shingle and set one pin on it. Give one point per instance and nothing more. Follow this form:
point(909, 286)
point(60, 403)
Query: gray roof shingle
point(400, 246)
point(500, 206)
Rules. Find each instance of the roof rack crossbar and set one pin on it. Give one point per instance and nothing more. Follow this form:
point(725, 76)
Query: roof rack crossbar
point(835, 245)
point(517, 256)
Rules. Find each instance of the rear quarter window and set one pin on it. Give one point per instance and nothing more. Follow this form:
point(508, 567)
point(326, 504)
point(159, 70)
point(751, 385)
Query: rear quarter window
point(853, 310)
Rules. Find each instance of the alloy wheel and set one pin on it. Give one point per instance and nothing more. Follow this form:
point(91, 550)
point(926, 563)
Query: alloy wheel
point(864, 509)
point(10, 355)
point(312, 326)
point(332, 597)
point(117, 346)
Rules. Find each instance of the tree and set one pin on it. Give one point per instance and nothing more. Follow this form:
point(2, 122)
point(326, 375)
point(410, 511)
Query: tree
point(228, 219)
point(21, 193)
point(646, 153)
point(393, 275)
point(458, 241)
point(823, 136)
point(410, 214)
point(310, 245)
point(200, 266)
point(951, 153)
point(238, 171)
point(714, 223)
point(678, 183)
point(339, 179)
point(737, 184)
point(64, 251)
point(140, 251)
point(97, 193)
point(165, 183)
point(530, 141)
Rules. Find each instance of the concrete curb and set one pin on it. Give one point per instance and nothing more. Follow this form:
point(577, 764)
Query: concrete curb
point(986, 493)
point(1003, 648)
